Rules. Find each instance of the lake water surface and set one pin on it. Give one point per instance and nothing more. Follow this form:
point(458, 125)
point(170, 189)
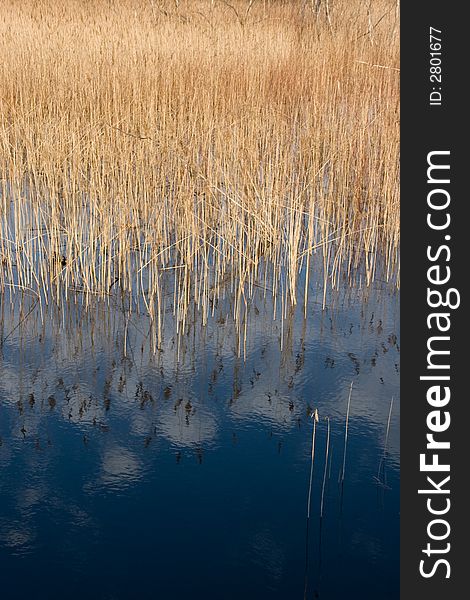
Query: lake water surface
point(126, 474)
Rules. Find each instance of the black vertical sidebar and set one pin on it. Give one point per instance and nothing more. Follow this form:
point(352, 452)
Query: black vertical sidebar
point(440, 127)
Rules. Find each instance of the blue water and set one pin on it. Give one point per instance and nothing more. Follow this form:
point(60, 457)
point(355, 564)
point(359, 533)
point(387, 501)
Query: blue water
point(126, 474)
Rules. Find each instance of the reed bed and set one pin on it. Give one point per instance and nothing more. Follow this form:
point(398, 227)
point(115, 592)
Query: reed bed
point(213, 146)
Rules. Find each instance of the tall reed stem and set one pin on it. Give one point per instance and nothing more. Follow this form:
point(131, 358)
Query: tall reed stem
point(327, 449)
point(312, 460)
point(346, 434)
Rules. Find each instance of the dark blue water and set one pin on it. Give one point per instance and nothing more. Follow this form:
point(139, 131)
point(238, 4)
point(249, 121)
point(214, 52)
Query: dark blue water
point(126, 474)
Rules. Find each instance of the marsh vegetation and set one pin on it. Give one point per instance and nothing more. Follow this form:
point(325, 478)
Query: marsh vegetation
point(199, 250)
point(207, 146)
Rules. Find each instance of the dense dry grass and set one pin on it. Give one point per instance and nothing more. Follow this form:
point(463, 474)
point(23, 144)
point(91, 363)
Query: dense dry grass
point(212, 142)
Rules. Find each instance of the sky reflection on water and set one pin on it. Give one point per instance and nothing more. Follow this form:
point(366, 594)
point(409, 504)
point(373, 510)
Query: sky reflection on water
point(131, 475)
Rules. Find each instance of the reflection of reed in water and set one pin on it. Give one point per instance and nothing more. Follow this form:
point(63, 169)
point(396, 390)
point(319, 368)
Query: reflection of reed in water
point(90, 362)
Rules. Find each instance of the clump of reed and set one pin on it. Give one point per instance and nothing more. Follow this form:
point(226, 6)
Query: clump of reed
point(211, 143)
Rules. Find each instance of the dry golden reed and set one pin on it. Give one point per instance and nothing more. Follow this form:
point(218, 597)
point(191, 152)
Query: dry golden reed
point(214, 143)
